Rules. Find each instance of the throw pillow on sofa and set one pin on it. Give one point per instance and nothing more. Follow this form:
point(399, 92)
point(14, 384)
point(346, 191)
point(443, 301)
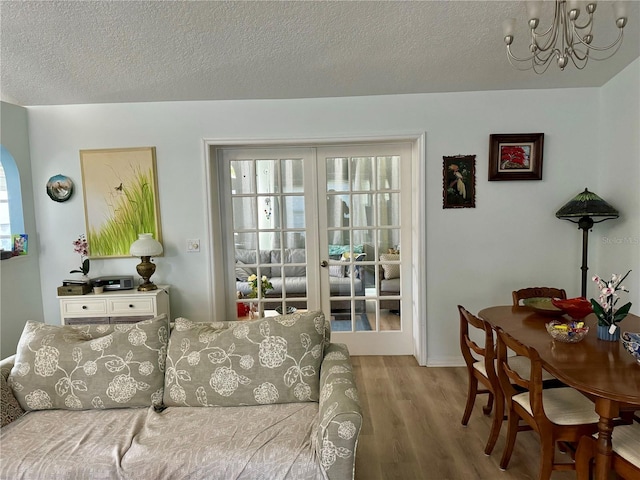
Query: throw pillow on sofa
point(10, 409)
point(90, 366)
point(265, 361)
point(391, 270)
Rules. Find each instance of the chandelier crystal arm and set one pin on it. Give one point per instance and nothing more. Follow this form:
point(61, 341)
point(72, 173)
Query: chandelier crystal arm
point(583, 41)
point(551, 32)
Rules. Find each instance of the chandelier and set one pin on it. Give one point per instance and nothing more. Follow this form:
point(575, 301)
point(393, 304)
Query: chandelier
point(566, 39)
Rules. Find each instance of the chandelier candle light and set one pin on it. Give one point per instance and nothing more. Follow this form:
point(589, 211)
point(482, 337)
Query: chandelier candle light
point(565, 39)
point(145, 248)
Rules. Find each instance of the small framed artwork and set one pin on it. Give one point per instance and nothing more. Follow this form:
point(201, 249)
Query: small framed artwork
point(120, 198)
point(20, 243)
point(516, 156)
point(459, 181)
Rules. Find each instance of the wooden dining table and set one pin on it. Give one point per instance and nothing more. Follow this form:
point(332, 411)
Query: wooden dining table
point(601, 369)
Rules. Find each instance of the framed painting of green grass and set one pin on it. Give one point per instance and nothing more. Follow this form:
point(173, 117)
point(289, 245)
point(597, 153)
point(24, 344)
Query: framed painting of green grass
point(120, 198)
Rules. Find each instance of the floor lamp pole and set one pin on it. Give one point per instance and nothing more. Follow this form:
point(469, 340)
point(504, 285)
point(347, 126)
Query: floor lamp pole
point(585, 224)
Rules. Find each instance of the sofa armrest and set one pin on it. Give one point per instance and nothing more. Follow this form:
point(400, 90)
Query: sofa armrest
point(340, 414)
point(6, 364)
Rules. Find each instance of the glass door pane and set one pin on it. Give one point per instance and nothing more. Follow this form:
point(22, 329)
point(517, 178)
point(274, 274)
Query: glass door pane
point(363, 236)
point(325, 227)
point(269, 229)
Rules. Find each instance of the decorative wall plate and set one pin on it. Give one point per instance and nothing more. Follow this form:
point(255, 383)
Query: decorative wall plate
point(60, 188)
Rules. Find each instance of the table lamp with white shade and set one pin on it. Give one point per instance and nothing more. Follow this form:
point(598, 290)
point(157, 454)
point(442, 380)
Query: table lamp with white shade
point(145, 248)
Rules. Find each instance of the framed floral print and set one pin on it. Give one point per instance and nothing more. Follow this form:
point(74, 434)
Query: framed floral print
point(516, 156)
point(120, 198)
point(459, 181)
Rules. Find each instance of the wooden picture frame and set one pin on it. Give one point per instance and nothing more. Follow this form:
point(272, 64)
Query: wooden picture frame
point(516, 156)
point(459, 181)
point(120, 198)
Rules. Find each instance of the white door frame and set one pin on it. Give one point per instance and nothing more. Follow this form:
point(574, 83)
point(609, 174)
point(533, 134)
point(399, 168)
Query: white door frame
point(419, 268)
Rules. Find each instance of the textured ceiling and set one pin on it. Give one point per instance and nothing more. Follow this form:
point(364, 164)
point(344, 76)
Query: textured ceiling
point(70, 52)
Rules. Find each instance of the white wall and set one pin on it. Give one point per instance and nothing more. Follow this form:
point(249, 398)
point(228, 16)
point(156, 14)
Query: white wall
point(474, 256)
point(617, 242)
point(20, 298)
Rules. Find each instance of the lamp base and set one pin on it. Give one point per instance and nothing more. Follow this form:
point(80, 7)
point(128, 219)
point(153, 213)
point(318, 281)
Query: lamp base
point(145, 269)
point(147, 287)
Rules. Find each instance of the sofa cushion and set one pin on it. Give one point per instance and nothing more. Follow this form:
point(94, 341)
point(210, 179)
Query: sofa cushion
point(390, 270)
point(390, 287)
point(248, 257)
point(10, 409)
point(90, 366)
point(270, 360)
point(243, 272)
point(221, 443)
point(336, 271)
point(69, 445)
point(289, 255)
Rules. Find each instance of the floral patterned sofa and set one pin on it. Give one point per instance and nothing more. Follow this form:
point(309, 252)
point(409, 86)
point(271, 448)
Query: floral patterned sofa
point(270, 398)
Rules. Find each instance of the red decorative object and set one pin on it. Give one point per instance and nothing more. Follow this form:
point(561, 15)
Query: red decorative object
point(243, 309)
point(577, 308)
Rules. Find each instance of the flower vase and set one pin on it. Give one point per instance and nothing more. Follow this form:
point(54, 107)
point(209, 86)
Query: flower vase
point(603, 334)
point(85, 279)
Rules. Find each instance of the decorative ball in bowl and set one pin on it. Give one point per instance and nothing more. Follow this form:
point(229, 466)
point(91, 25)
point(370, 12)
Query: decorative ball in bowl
point(577, 308)
point(631, 342)
point(571, 332)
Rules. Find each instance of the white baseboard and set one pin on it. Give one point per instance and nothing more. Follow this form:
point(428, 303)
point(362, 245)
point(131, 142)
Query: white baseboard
point(447, 361)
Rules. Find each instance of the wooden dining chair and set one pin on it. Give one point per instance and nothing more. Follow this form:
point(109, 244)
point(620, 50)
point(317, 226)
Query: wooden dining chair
point(537, 292)
point(481, 369)
point(625, 457)
point(556, 414)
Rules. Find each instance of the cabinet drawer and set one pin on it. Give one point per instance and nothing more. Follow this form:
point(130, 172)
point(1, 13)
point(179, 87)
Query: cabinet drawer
point(131, 306)
point(131, 319)
point(84, 307)
point(86, 321)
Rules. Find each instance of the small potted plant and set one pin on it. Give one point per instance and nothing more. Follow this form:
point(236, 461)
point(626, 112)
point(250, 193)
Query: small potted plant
point(604, 307)
point(82, 247)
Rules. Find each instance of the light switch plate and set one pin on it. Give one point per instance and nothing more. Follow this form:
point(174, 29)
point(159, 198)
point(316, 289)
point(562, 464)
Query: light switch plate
point(193, 245)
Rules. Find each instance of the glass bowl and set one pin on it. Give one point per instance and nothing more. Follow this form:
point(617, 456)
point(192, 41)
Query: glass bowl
point(571, 332)
point(577, 308)
point(631, 343)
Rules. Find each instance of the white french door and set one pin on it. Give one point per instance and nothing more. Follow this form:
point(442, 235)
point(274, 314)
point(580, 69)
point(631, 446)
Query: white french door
point(326, 226)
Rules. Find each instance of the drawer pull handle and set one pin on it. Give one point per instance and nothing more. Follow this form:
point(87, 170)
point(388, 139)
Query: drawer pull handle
point(130, 306)
point(84, 307)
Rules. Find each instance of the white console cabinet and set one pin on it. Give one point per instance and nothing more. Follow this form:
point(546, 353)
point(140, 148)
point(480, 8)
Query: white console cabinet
point(116, 306)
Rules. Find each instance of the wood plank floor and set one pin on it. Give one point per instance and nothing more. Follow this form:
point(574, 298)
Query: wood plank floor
point(412, 430)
